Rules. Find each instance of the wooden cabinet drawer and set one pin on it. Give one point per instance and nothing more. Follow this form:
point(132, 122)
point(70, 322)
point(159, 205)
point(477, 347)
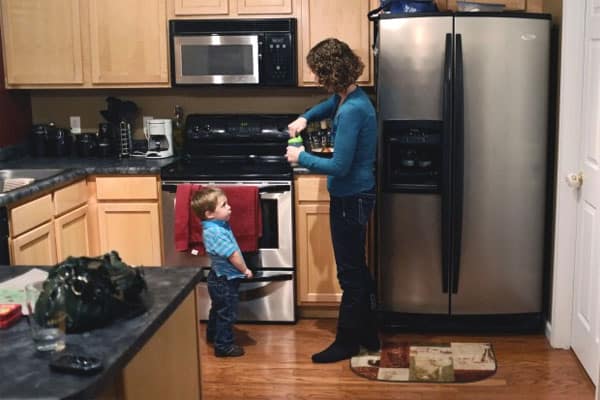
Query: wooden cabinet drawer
point(312, 188)
point(70, 197)
point(30, 215)
point(127, 188)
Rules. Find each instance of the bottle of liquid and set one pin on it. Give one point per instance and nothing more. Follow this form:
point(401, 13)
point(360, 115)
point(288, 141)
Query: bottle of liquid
point(325, 135)
point(178, 130)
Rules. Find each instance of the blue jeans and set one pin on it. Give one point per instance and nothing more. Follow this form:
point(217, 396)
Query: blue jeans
point(348, 219)
point(224, 298)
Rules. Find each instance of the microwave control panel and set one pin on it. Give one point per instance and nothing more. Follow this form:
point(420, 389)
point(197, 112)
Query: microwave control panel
point(278, 59)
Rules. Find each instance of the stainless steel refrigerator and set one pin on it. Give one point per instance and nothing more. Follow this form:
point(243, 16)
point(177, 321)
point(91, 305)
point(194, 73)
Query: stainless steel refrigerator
point(462, 169)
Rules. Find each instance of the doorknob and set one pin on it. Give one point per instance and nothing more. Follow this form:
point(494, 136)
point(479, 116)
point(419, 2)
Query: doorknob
point(575, 180)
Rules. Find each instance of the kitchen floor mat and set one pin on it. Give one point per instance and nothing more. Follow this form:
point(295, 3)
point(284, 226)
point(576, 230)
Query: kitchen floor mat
point(427, 362)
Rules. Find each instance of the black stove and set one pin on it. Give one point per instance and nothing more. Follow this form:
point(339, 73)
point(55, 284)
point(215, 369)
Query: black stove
point(233, 147)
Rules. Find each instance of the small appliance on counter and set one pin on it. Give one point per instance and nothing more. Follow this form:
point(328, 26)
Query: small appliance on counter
point(159, 134)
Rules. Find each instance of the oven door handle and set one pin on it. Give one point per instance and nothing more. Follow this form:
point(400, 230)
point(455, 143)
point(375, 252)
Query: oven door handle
point(271, 196)
point(273, 278)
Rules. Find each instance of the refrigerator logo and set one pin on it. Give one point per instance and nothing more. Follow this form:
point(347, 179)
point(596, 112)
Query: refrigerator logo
point(528, 36)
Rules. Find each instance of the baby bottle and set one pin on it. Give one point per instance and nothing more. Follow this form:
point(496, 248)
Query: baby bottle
point(296, 142)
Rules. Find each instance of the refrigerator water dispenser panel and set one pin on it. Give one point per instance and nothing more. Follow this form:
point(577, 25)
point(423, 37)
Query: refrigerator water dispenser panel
point(412, 154)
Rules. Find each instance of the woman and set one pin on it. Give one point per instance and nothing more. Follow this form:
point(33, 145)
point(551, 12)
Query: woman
point(351, 185)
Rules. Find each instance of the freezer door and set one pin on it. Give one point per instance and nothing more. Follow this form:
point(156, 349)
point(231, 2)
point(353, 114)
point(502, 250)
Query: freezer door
point(410, 67)
point(410, 79)
point(506, 63)
point(410, 267)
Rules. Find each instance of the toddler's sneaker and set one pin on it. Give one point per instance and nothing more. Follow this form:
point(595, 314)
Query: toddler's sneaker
point(234, 351)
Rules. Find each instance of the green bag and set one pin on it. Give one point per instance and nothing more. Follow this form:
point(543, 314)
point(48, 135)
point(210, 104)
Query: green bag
point(96, 291)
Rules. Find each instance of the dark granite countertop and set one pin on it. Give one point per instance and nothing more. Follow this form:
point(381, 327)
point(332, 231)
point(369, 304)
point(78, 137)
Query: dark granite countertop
point(77, 168)
point(25, 373)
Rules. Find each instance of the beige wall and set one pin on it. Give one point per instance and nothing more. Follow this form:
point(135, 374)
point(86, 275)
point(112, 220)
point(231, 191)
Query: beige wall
point(58, 105)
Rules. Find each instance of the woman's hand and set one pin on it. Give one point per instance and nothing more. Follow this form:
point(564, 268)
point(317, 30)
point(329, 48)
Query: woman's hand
point(296, 126)
point(292, 154)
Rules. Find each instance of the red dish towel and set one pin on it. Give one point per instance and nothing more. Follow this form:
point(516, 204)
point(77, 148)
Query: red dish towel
point(246, 218)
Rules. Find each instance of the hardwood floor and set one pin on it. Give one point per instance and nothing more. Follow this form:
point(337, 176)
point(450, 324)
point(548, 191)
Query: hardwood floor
point(277, 365)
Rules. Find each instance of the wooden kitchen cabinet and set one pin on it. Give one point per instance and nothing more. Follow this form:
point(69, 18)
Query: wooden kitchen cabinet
point(42, 42)
point(316, 268)
point(343, 19)
point(85, 43)
point(51, 227)
point(128, 218)
point(72, 234)
point(523, 5)
point(35, 247)
point(231, 8)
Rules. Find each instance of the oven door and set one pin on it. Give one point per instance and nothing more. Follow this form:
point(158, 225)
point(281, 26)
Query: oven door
point(216, 59)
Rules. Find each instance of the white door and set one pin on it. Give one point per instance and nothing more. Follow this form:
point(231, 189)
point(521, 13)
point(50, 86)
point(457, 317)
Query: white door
point(585, 323)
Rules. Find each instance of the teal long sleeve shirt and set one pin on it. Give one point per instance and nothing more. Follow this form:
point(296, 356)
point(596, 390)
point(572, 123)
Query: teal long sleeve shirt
point(354, 133)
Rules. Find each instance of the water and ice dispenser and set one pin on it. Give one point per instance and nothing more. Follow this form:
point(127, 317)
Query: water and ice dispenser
point(411, 155)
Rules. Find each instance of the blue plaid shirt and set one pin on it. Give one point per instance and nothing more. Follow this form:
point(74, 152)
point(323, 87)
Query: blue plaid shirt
point(220, 244)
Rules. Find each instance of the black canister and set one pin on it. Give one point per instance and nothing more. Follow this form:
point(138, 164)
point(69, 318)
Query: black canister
point(39, 136)
point(86, 145)
point(58, 142)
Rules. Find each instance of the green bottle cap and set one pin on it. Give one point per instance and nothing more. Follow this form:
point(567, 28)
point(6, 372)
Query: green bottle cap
point(295, 141)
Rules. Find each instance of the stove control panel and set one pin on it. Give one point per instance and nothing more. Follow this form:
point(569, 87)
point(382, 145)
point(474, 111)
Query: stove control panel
point(211, 127)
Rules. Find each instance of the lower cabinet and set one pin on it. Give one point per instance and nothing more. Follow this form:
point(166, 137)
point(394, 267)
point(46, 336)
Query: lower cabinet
point(132, 229)
point(35, 247)
point(73, 234)
point(128, 218)
point(47, 229)
point(316, 269)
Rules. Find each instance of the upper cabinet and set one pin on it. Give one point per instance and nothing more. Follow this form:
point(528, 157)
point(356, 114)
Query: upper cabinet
point(128, 42)
point(85, 43)
point(42, 42)
point(522, 5)
point(231, 8)
point(343, 19)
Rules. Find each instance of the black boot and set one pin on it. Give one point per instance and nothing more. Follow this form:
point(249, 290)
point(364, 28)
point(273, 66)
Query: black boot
point(369, 336)
point(343, 347)
point(346, 343)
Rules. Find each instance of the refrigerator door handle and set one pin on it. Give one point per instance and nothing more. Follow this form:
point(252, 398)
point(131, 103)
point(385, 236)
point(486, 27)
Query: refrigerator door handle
point(458, 170)
point(447, 166)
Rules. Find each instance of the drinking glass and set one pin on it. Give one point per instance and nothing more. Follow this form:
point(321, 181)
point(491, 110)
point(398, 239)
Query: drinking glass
point(48, 328)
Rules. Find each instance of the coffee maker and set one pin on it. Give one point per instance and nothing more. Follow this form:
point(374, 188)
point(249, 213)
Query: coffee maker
point(159, 134)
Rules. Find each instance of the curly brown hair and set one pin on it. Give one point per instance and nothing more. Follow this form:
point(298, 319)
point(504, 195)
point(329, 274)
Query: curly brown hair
point(335, 65)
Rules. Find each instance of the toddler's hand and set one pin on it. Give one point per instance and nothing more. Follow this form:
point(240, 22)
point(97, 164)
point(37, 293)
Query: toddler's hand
point(248, 273)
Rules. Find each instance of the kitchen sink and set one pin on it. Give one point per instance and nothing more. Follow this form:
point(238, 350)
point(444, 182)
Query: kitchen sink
point(11, 179)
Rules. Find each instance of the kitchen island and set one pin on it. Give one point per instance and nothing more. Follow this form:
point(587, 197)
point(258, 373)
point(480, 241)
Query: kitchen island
point(154, 355)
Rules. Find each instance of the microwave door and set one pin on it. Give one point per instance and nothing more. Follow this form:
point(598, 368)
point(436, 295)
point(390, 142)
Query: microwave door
point(216, 59)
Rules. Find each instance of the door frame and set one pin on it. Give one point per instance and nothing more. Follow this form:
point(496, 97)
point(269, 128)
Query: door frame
point(558, 330)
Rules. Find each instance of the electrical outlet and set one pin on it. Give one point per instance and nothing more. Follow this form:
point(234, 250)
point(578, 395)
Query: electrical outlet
point(75, 122)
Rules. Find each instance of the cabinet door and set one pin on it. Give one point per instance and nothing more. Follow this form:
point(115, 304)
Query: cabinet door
point(42, 42)
point(201, 7)
point(72, 234)
point(264, 7)
point(132, 229)
point(128, 41)
point(342, 19)
point(509, 4)
point(36, 247)
point(317, 276)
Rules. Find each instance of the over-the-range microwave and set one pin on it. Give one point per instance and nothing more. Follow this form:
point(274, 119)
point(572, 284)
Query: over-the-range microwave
point(233, 51)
